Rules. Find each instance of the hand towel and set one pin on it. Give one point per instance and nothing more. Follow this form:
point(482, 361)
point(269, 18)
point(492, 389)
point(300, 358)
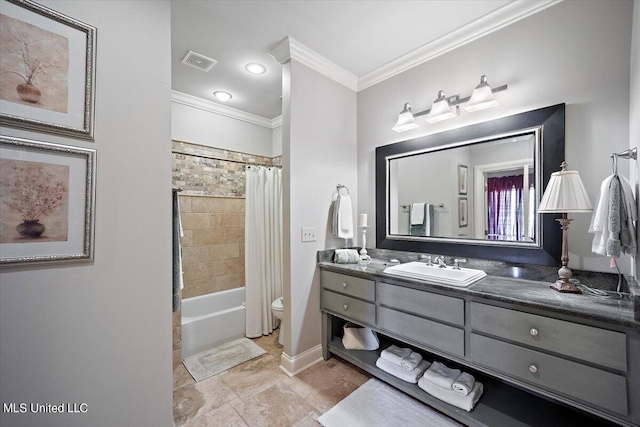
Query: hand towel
point(600, 218)
point(412, 361)
point(464, 384)
point(613, 247)
point(343, 217)
point(630, 211)
point(346, 256)
point(417, 213)
point(395, 354)
point(399, 372)
point(451, 397)
point(177, 234)
point(441, 375)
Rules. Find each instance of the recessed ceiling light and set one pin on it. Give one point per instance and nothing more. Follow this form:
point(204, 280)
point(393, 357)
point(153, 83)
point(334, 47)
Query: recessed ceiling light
point(255, 68)
point(222, 95)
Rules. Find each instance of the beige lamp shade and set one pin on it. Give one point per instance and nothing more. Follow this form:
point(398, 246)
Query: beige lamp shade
point(565, 193)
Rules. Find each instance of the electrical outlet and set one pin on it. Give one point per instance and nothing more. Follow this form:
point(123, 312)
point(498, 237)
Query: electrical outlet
point(308, 234)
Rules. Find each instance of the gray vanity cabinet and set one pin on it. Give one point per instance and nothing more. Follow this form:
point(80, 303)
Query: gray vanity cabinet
point(589, 366)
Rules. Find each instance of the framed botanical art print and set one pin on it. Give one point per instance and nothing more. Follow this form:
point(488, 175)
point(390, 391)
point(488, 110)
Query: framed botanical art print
point(462, 179)
point(47, 70)
point(463, 212)
point(46, 202)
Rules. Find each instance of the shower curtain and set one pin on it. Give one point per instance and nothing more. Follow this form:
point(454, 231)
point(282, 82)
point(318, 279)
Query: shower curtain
point(263, 247)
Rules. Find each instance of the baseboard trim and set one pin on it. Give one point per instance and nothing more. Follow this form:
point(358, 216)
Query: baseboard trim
point(292, 366)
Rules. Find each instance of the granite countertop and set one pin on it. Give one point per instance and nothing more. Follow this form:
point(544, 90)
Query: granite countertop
point(502, 284)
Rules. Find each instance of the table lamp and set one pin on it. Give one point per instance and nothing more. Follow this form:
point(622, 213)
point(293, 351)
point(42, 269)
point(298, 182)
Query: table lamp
point(565, 194)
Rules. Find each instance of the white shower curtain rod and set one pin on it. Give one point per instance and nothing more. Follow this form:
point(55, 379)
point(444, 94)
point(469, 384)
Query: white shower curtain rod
point(249, 165)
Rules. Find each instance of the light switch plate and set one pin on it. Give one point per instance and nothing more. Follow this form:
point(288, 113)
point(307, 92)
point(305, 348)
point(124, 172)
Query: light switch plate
point(308, 234)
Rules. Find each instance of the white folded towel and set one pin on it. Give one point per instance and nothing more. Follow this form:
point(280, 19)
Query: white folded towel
point(412, 361)
point(452, 397)
point(346, 256)
point(441, 375)
point(343, 217)
point(399, 372)
point(395, 354)
point(417, 213)
point(464, 384)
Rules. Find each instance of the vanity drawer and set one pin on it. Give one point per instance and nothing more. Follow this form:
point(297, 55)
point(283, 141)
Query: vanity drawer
point(354, 286)
point(426, 304)
point(572, 379)
point(432, 334)
point(349, 307)
point(595, 345)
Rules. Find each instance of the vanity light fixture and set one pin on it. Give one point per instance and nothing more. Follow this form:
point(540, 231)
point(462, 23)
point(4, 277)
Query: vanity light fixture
point(441, 110)
point(482, 97)
point(255, 68)
point(445, 108)
point(406, 121)
point(565, 194)
point(222, 95)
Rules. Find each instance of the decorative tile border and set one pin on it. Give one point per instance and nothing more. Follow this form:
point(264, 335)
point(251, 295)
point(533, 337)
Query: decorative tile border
point(206, 171)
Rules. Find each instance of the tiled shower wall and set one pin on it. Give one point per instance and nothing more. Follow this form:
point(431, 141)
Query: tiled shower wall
point(212, 212)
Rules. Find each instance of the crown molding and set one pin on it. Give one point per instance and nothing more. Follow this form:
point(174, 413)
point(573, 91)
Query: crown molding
point(500, 18)
point(289, 49)
point(276, 122)
point(221, 110)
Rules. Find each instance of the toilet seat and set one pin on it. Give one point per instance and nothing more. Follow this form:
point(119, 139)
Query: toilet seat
point(277, 304)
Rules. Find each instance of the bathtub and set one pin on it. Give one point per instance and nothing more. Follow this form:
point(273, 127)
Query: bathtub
point(212, 319)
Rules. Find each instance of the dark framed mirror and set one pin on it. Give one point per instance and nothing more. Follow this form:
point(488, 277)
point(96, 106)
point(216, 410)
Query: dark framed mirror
point(473, 191)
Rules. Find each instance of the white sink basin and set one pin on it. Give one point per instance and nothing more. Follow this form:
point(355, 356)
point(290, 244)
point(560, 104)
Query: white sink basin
point(446, 276)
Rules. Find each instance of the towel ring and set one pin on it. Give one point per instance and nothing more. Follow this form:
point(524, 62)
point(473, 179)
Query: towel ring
point(340, 187)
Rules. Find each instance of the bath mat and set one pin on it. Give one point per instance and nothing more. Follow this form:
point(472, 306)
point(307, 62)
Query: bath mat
point(218, 359)
point(376, 404)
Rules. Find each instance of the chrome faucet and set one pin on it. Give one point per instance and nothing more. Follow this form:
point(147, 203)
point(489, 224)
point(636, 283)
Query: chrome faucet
point(456, 263)
point(427, 258)
point(440, 262)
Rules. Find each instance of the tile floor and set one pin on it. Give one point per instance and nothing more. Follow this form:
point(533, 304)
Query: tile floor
point(257, 393)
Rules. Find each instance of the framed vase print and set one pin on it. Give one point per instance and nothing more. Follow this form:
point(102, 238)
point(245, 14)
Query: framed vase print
point(462, 179)
point(47, 70)
point(463, 212)
point(46, 202)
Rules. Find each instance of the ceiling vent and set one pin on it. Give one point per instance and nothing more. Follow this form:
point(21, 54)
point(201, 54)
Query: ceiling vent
point(196, 60)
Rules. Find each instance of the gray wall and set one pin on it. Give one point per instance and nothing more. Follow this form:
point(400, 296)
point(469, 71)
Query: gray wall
point(100, 333)
point(319, 151)
point(573, 52)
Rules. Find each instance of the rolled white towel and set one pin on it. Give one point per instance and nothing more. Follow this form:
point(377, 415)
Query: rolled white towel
point(395, 354)
point(451, 397)
point(346, 256)
point(464, 383)
point(411, 361)
point(399, 372)
point(441, 375)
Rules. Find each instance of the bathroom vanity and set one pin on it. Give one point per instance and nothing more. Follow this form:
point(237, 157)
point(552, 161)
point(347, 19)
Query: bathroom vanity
point(538, 352)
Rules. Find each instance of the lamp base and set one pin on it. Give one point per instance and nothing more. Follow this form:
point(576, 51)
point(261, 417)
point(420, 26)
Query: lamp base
point(565, 286)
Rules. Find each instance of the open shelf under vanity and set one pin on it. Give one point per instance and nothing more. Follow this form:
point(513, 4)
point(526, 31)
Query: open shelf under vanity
point(501, 404)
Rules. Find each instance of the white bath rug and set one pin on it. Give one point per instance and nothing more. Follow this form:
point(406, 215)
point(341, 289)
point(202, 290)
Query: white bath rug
point(218, 359)
point(376, 404)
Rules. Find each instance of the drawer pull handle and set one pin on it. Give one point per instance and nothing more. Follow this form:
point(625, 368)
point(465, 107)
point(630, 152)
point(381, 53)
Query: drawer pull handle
point(533, 332)
point(346, 307)
point(533, 369)
point(344, 285)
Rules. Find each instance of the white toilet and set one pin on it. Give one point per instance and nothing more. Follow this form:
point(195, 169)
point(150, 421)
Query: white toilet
point(277, 308)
